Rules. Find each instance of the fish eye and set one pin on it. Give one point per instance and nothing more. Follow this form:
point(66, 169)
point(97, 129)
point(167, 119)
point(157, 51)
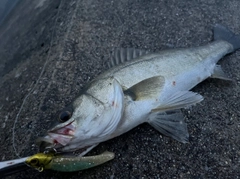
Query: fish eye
point(65, 116)
point(34, 162)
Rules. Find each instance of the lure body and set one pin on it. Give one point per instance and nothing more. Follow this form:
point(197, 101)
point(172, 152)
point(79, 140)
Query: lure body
point(42, 161)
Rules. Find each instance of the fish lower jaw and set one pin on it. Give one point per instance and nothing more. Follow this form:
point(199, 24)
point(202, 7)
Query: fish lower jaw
point(62, 139)
point(68, 129)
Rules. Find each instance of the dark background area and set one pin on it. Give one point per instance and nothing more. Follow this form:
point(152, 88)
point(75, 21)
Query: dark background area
point(6, 7)
point(50, 49)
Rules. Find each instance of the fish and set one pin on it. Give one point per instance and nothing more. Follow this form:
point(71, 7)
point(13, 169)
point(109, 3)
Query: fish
point(140, 87)
point(44, 161)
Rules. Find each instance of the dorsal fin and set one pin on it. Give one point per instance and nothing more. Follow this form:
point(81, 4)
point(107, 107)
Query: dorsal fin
point(121, 55)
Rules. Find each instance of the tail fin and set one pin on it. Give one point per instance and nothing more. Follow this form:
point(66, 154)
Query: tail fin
point(222, 33)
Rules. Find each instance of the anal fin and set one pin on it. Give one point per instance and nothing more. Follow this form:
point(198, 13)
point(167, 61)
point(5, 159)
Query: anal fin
point(218, 73)
point(171, 124)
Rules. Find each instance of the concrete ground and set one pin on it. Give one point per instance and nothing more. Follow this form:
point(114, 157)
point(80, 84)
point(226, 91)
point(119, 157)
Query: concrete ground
point(50, 49)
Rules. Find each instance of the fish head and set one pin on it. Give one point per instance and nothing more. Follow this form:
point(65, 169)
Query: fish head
point(92, 118)
point(74, 126)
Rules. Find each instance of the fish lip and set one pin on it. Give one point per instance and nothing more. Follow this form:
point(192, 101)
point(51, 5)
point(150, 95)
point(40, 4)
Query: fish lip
point(45, 139)
point(45, 143)
point(70, 123)
point(67, 128)
point(59, 136)
point(63, 133)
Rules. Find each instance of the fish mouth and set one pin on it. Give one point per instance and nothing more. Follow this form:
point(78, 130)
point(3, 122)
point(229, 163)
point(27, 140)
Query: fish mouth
point(58, 136)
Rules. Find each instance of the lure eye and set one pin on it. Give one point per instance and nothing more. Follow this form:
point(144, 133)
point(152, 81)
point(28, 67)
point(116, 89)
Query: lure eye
point(65, 116)
point(34, 162)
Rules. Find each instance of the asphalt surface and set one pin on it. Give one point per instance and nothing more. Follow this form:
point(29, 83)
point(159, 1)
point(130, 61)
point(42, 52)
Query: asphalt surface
point(50, 50)
point(6, 7)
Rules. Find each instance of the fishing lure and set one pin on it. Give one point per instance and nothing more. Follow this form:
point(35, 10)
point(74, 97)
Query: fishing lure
point(42, 161)
point(53, 161)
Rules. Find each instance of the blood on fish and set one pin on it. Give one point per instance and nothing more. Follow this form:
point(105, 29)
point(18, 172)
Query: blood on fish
point(66, 131)
point(114, 104)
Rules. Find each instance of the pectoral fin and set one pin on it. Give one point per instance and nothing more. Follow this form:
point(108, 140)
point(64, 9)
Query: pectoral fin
point(167, 117)
point(170, 124)
point(181, 99)
point(146, 89)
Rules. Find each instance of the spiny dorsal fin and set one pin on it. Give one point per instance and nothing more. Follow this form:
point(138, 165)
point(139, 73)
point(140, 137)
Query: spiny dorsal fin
point(121, 55)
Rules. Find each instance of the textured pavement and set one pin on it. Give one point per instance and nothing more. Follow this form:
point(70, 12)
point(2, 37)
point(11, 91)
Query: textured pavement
point(50, 50)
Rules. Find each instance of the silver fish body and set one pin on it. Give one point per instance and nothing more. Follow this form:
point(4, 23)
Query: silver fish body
point(144, 87)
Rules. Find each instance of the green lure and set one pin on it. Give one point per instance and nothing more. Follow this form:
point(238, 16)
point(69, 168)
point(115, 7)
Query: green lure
point(42, 161)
